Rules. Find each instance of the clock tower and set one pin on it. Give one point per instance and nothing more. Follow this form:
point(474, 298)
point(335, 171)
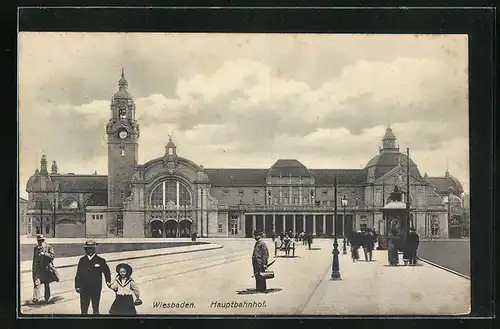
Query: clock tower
point(123, 136)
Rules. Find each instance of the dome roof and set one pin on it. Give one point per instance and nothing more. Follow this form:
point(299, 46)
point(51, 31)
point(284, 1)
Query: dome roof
point(442, 184)
point(386, 161)
point(122, 94)
point(288, 167)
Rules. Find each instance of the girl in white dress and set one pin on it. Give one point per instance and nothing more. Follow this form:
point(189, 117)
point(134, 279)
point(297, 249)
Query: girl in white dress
point(124, 287)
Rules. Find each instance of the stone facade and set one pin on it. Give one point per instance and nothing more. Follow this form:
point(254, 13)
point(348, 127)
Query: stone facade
point(171, 196)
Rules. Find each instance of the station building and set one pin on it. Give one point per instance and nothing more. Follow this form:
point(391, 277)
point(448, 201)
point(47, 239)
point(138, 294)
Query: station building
point(171, 196)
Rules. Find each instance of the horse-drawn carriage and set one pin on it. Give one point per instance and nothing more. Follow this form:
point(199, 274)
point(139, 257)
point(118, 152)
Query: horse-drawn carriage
point(285, 245)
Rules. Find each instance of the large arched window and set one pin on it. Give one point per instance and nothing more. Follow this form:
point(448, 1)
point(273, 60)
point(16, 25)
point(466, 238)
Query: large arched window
point(170, 194)
point(70, 203)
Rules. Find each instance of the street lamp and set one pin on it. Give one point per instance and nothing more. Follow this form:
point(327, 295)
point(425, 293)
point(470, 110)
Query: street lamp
point(335, 251)
point(54, 217)
point(344, 204)
point(41, 204)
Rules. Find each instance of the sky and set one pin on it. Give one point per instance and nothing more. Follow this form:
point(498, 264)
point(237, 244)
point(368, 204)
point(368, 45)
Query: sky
point(246, 100)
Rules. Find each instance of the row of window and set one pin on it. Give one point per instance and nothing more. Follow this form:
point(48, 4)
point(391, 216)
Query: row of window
point(241, 192)
point(97, 217)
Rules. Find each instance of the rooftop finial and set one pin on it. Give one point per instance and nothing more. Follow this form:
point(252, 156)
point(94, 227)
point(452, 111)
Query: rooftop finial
point(447, 174)
point(123, 73)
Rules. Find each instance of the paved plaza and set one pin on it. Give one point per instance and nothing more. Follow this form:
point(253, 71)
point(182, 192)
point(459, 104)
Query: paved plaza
point(218, 281)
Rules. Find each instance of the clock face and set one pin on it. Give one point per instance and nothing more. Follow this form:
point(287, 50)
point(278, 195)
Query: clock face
point(123, 134)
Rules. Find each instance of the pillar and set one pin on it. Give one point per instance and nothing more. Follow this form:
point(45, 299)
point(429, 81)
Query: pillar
point(314, 224)
point(274, 223)
point(294, 224)
point(304, 223)
point(324, 224)
point(176, 194)
point(254, 223)
point(284, 222)
point(240, 220)
point(264, 222)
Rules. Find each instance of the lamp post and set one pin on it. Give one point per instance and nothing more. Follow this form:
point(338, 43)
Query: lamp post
point(54, 217)
point(41, 216)
point(201, 213)
point(344, 204)
point(355, 209)
point(408, 211)
point(335, 251)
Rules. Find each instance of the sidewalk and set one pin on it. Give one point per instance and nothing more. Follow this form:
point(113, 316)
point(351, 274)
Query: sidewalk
point(376, 288)
point(25, 266)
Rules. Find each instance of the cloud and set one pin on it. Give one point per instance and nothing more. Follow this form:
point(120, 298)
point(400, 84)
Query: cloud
point(233, 105)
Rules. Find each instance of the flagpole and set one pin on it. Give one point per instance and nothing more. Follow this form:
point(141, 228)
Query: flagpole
point(408, 212)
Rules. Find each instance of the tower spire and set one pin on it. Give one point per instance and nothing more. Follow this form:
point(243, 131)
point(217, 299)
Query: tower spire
point(43, 165)
point(447, 174)
point(122, 83)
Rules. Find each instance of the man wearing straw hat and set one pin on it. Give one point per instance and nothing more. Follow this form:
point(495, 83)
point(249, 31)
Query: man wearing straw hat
point(88, 279)
point(43, 269)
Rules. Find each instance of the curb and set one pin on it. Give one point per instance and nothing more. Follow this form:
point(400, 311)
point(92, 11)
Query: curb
point(444, 268)
point(139, 257)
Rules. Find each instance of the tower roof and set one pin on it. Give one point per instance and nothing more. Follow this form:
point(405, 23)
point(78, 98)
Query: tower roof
point(389, 134)
point(122, 88)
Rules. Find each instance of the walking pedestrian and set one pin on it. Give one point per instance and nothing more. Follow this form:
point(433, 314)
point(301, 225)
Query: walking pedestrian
point(392, 247)
point(355, 244)
point(369, 245)
point(412, 242)
point(125, 288)
point(88, 279)
point(43, 269)
point(260, 257)
point(309, 240)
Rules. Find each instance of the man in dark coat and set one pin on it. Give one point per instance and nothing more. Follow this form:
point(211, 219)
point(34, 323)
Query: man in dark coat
point(88, 279)
point(259, 261)
point(412, 242)
point(368, 245)
point(309, 240)
point(43, 268)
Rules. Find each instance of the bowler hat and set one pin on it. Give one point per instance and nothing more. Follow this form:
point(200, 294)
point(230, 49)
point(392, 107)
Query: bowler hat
point(257, 233)
point(126, 266)
point(90, 244)
point(40, 237)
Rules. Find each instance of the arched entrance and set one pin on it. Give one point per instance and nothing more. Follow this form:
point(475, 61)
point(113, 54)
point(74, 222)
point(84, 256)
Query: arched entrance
point(455, 227)
point(156, 226)
point(185, 228)
point(171, 228)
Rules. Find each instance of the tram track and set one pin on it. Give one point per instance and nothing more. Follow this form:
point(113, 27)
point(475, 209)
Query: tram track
point(137, 265)
point(163, 273)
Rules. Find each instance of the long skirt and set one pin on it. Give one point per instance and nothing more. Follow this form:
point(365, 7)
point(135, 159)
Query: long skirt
point(123, 305)
point(392, 254)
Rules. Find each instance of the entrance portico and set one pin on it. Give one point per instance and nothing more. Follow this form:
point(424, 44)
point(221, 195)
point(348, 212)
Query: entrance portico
point(320, 223)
